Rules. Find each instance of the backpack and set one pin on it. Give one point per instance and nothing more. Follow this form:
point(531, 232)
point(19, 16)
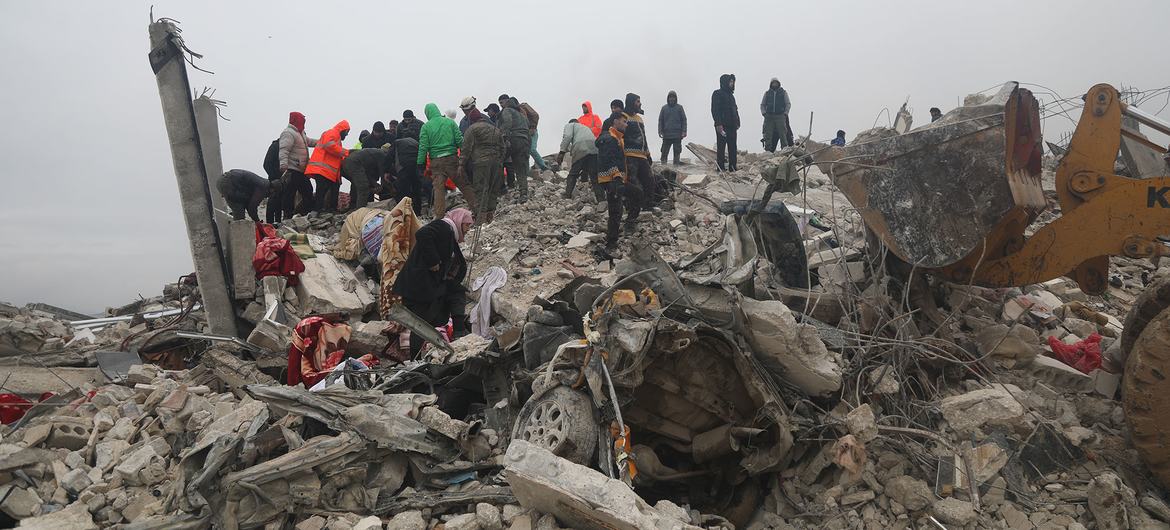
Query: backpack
point(272, 160)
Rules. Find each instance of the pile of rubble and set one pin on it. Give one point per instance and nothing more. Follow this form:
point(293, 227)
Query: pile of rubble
point(700, 379)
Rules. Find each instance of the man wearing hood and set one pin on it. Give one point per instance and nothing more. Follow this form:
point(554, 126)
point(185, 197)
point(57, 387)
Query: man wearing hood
point(293, 155)
point(672, 126)
point(440, 140)
point(589, 119)
point(482, 157)
point(514, 126)
point(726, 115)
point(431, 281)
point(325, 166)
point(612, 177)
point(637, 150)
point(774, 107)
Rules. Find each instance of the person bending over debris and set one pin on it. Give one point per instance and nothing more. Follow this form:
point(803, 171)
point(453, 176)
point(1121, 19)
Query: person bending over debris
point(243, 190)
point(726, 115)
point(325, 166)
point(774, 108)
point(482, 157)
point(579, 140)
point(614, 179)
point(440, 139)
point(672, 126)
point(362, 168)
point(431, 281)
point(514, 125)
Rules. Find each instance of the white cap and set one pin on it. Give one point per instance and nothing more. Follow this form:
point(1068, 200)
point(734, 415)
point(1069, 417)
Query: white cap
point(467, 102)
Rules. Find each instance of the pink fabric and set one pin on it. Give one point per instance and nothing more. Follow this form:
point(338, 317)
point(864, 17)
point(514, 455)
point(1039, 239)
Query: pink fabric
point(456, 218)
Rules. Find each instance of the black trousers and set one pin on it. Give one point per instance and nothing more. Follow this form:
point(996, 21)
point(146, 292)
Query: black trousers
point(642, 178)
point(325, 198)
point(725, 142)
point(667, 143)
point(275, 208)
point(583, 169)
point(408, 184)
point(615, 191)
point(296, 184)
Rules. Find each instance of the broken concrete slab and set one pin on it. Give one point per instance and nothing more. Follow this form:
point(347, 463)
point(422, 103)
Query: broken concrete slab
point(1019, 343)
point(910, 492)
point(328, 286)
point(861, 423)
point(241, 247)
point(974, 409)
point(578, 496)
point(1058, 374)
point(583, 239)
point(792, 352)
point(76, 516)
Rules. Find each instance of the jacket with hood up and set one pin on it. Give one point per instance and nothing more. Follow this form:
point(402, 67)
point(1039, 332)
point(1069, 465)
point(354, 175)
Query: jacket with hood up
point(328, 154)
point(672, 119)
point(590, 120)
point(635, 135)
point(775, 100)
point(294, 147)
point(723, 108)
point(439, 137)
point(513, 123)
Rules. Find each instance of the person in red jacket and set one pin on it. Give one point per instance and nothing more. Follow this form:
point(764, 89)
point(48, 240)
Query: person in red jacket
point(325, 166)
point(589, 119)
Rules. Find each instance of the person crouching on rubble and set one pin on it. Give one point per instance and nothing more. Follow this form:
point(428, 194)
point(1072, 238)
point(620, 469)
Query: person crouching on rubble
point(244, 190)
point(613, 178)
point(431, 281)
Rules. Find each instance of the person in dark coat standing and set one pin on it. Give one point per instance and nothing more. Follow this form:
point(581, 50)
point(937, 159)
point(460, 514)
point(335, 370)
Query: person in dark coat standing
point(726, 115)
point(774, 108)
point(378, 137)
point(431, 281)
point(273, 214)
point(672, 126)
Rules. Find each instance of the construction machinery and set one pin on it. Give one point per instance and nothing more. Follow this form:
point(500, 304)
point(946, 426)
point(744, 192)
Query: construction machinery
point(957, 199)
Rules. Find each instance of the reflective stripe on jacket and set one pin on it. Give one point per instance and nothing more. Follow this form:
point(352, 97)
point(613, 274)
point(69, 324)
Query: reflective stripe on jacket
point(328, 154)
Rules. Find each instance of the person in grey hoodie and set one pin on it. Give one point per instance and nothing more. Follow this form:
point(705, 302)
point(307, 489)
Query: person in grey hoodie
point(774, 107)
point(672, 126)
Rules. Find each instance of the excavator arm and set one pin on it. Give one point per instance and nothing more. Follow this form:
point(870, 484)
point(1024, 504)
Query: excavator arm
point(1102, 214)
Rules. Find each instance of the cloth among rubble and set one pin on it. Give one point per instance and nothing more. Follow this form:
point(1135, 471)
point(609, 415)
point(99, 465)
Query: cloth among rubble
point(397, 241)
point(274, 256)
point(317, 346)
point(349, 244)
point(1084, 355)
point(481, 313)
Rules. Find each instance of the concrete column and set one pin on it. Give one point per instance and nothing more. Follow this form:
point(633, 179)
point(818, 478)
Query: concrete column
point(207, 121)
point(166, 59)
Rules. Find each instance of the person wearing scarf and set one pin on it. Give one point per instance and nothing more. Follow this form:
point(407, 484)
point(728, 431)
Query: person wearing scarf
point(431, 281)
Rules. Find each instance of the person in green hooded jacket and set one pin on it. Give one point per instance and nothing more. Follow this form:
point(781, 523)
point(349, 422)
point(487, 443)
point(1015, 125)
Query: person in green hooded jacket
point(440, 140)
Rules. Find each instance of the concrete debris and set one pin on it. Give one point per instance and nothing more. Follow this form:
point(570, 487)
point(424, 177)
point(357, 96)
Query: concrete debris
point(767, 374)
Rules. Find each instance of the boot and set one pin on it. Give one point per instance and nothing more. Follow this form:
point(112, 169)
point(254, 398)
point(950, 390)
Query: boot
point(460, 326)
point(569, 185)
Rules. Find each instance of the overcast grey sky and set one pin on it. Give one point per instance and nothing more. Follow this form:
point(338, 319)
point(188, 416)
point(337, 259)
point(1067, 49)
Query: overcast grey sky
point(89, 212)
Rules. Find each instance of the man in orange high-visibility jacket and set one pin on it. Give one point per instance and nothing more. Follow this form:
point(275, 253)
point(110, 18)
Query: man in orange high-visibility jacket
point(325, 166)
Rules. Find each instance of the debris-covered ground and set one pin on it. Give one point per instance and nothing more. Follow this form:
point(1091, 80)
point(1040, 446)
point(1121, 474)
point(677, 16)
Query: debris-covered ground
point(695, 380)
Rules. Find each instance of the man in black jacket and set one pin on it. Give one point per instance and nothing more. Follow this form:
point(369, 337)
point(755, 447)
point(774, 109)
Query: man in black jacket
point(638, 151)
point(774, 108)
point(726, 115)
point(431, 281)
point(273, 212)
point(243, 190)
point(614, 179)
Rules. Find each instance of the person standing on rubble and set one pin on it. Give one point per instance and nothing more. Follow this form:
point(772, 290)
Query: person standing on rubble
point(325, 166)
point(839, 141)
point(467, 105)
point(935, 114)
point(273, 212)
point(578, 140)
point(637, 150)
point(293, 156)
point(726, 115)
point(431, 281)
point(589, 119)
point(440, 140)
point(774, 108)
point(615, 107)
point(533, 135)
point(672, 126)
point(514, 125)
point(482, 157)
point(378, 137)
point(615, 180)
point(243, 190)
